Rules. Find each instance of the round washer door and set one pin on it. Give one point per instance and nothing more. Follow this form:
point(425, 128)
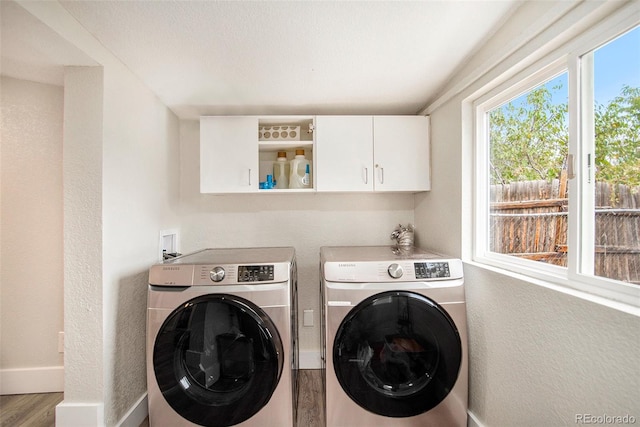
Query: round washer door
point(397, 354)
point(217, 360)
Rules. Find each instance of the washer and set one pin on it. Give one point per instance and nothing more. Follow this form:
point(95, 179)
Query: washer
point(394, 337)
point(221, 339)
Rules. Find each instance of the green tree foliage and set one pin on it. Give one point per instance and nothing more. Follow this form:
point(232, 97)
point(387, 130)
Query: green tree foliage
point(617, 136)
point(529, 138)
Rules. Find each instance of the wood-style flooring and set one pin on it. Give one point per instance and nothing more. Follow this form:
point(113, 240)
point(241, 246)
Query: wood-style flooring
point(38, 410)
point(29, 410)
point(310, 399)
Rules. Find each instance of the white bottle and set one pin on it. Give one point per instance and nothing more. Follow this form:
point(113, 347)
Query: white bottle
point(281, 170)
point(300, 171)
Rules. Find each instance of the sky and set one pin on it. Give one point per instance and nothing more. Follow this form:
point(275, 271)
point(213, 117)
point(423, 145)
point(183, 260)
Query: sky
point(616, 64)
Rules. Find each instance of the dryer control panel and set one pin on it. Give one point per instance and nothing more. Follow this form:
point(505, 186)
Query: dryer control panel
point(441, 270)
point(431, 270)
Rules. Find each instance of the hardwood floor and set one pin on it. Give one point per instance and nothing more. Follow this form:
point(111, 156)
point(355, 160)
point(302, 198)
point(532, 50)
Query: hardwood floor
point(310, 399)
point(29, 410)
point(38, 410)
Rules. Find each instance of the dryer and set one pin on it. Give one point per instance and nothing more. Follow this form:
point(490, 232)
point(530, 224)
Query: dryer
point(221, 339)
point(394, 337)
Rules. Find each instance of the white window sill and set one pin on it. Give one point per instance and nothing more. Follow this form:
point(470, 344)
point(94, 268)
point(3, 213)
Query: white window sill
point(624, 302)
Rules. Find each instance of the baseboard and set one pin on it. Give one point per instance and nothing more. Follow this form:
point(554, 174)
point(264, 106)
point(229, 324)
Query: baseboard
point(32, 380)
point(472, 420)
point(79, 414)
point(92, 414)
point(136, 415)
point(310, 359)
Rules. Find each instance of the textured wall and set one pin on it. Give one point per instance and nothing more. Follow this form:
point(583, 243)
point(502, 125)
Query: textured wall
point(141, 162)
point(541, 357)
point(83, 300)
point(437, 211)
point(31, 277)
point(121, 172)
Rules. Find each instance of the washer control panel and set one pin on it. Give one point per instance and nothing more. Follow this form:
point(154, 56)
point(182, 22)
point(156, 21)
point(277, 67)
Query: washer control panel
point(431, 270)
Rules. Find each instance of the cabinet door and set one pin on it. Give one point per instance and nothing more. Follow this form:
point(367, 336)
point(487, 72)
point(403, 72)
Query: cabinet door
point(344, 153)
point(228, 154)
point(401, 153)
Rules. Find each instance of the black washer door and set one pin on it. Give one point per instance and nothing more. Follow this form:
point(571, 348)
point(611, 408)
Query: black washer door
point(397, 354)
point(217, 360)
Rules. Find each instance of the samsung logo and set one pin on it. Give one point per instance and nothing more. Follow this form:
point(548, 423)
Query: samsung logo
point(170, 268)
point(346, 265)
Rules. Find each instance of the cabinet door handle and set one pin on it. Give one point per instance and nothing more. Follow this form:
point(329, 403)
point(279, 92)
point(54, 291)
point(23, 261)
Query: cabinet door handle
point(249, 177)
point(381, 175)
point(366, 175)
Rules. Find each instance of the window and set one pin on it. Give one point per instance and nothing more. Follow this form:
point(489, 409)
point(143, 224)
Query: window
point(528, 148)
point(558, 167)
point(611, 116)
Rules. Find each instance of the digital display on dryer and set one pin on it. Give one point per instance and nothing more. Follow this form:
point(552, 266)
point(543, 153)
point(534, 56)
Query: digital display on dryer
point(431, 270)
point(255, 273)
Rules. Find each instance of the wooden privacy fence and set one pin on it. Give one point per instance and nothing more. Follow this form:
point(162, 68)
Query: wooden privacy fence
point(528, 219)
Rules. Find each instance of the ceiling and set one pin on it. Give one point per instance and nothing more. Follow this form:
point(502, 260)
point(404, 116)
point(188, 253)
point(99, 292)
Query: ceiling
point(268, 57)
point(32, 51)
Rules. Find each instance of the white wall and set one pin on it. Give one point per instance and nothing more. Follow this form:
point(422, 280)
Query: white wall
point(121, 189)
point(304, 221)
point(438, 211)
point(537, 356)
point(540, 357)
point(83, 277)
point(31, 274)
point(141, 160)
point(121, 183)
point(121, 171)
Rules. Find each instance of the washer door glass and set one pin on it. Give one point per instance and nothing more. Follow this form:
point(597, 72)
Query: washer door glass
point(217, 360)
point(397, 354)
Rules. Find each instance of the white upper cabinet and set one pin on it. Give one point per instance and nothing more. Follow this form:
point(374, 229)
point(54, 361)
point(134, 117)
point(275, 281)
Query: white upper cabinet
point(237, 153)
point(372, 153)
point(344, 153)
point(228, 154)
point(401, 149)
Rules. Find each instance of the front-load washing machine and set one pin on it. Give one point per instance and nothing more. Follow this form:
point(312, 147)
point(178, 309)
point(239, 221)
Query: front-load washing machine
point(394, 337)
point(221, 339)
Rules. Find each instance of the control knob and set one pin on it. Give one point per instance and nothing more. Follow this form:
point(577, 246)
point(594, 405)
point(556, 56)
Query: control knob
point(395, 271)
point(217, 274)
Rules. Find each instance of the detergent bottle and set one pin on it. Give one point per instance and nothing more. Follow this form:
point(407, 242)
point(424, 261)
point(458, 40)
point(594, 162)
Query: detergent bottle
point(281, 170)
point(300, 171)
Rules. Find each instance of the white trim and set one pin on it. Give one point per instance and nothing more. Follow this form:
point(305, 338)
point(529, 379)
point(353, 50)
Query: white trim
point(563, 287)
point(472, 420)
point(137, 414)
point(79, 414)
point(310, 359)
point(32, 380)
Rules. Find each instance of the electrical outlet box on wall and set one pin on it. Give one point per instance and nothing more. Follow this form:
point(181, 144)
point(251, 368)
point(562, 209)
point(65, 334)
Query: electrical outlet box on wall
point(307, 318)
point(169, 243)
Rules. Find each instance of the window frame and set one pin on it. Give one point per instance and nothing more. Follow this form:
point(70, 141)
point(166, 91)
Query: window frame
point(573, 58)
